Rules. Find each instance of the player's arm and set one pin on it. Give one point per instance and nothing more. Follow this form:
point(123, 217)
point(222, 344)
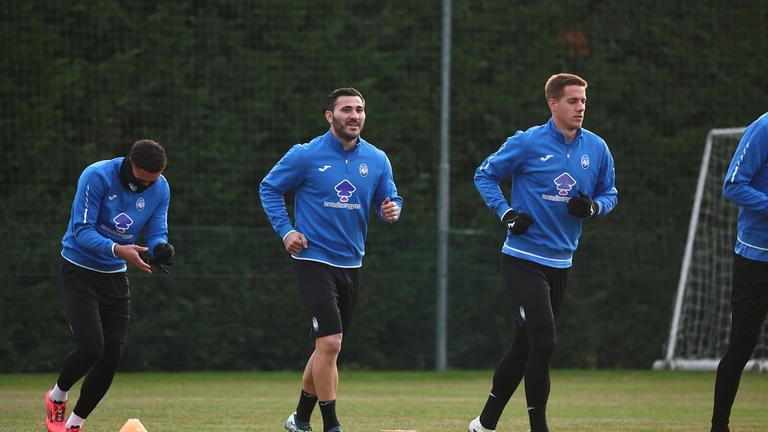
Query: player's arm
point(389, 203)
point(606, 196)
point(286, 175)
point(504, 163)
point(91, 189)
point(750, 157)
point(160, 252)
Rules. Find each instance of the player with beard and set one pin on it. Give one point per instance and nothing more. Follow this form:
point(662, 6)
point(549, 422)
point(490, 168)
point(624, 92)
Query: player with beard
point(336, 179)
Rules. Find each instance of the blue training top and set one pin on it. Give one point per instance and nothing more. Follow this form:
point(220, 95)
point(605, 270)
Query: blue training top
point(746, 184)
point(105, 213)
point(334, 191)
point(546, 172)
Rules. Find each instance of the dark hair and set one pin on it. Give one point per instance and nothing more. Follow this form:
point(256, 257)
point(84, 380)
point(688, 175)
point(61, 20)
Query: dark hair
point(148, 155)
point(344, 91)
point(553, 89)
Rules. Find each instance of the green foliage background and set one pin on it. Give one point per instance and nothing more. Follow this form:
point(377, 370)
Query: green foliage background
point(228, 86)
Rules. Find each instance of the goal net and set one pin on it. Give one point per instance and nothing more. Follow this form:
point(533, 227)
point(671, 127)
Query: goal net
point(701, 319)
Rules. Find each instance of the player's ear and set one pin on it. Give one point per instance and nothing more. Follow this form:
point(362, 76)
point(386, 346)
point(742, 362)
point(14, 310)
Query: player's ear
point(551, 102)
point(329, 116)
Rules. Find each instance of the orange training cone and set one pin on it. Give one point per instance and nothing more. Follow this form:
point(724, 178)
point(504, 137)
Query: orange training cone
point(133, 425)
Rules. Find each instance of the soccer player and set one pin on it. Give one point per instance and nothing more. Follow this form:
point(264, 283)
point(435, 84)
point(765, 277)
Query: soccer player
point(746, 184)
point(115, 199)
point(561, 176)
point(336, 178)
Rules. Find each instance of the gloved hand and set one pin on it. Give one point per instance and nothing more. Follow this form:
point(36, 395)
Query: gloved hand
point(517, 223)
point(582, 206)
point(163, 253)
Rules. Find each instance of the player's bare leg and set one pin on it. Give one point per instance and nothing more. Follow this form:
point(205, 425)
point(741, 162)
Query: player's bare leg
point(325, 374)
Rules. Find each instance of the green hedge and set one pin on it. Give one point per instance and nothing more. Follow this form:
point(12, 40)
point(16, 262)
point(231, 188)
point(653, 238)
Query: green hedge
point(228, 86)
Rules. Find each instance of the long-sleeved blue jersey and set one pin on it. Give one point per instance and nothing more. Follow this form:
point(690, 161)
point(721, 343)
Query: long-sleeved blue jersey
point(746, 184)
point(546, 171)
point(105, 213)
point(334, 191)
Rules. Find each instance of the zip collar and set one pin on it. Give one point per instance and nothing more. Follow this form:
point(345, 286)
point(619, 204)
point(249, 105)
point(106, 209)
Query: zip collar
point(555, 133)
point(335, 143)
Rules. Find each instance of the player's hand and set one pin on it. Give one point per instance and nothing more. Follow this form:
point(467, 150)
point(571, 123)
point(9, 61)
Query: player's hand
point(517, 223)
point(582, 206)
point(295, 242)
point(163, 253)
point(130, 253)
point(390, 212)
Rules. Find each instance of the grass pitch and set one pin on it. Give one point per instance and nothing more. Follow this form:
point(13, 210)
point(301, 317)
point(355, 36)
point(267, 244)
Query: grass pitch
point(581, 401)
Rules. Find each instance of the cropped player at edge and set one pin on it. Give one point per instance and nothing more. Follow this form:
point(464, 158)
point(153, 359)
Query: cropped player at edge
point(746, 184)
point(336, 178)
point(115, 200)
point(561, 176)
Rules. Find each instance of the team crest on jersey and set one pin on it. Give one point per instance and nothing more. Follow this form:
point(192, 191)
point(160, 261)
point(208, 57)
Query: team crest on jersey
point(344, 190)
point(140, 204)
point(363, 169)
point(122, 222)
point(564, 183)
point(584, 161)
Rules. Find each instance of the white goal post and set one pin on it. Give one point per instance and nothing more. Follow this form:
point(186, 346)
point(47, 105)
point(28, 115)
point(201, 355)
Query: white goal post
point(698, 335)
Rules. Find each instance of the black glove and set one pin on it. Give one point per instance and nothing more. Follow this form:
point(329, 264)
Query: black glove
point(163, 253)
point(517, 223)
point(582, 206)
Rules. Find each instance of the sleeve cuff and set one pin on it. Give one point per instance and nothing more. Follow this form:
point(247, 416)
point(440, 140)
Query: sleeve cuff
point(286, 234)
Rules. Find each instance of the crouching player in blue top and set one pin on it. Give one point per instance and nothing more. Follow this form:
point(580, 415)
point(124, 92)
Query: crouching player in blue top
point(115, 199)
point(746, 184)
point(561, 175)
point(336, 179)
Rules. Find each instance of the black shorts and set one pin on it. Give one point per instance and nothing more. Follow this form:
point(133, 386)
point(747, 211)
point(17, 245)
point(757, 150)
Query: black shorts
point(537, 291)
point(329, 294)
point(749, 298)
point(95, 303)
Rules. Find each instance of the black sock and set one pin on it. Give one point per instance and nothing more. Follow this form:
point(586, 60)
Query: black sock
point(538, 418)
point(306, 405)
point(328, 409)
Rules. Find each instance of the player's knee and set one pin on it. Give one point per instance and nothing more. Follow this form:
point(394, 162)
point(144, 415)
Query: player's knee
point(91, 348)
point(113, 352)
point(542, 340)
point(329, 345)
point(546, 346)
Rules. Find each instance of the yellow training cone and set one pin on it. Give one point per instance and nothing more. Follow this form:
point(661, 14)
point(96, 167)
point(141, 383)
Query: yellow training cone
point(133, 425)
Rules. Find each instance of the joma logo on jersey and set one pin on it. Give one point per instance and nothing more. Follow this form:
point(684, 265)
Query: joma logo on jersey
point(122, 222)
point(564, 183)
point(344, 190)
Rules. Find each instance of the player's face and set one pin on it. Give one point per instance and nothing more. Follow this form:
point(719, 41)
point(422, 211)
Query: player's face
point(145, 177)
point(568, 111)
point(347, 118)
